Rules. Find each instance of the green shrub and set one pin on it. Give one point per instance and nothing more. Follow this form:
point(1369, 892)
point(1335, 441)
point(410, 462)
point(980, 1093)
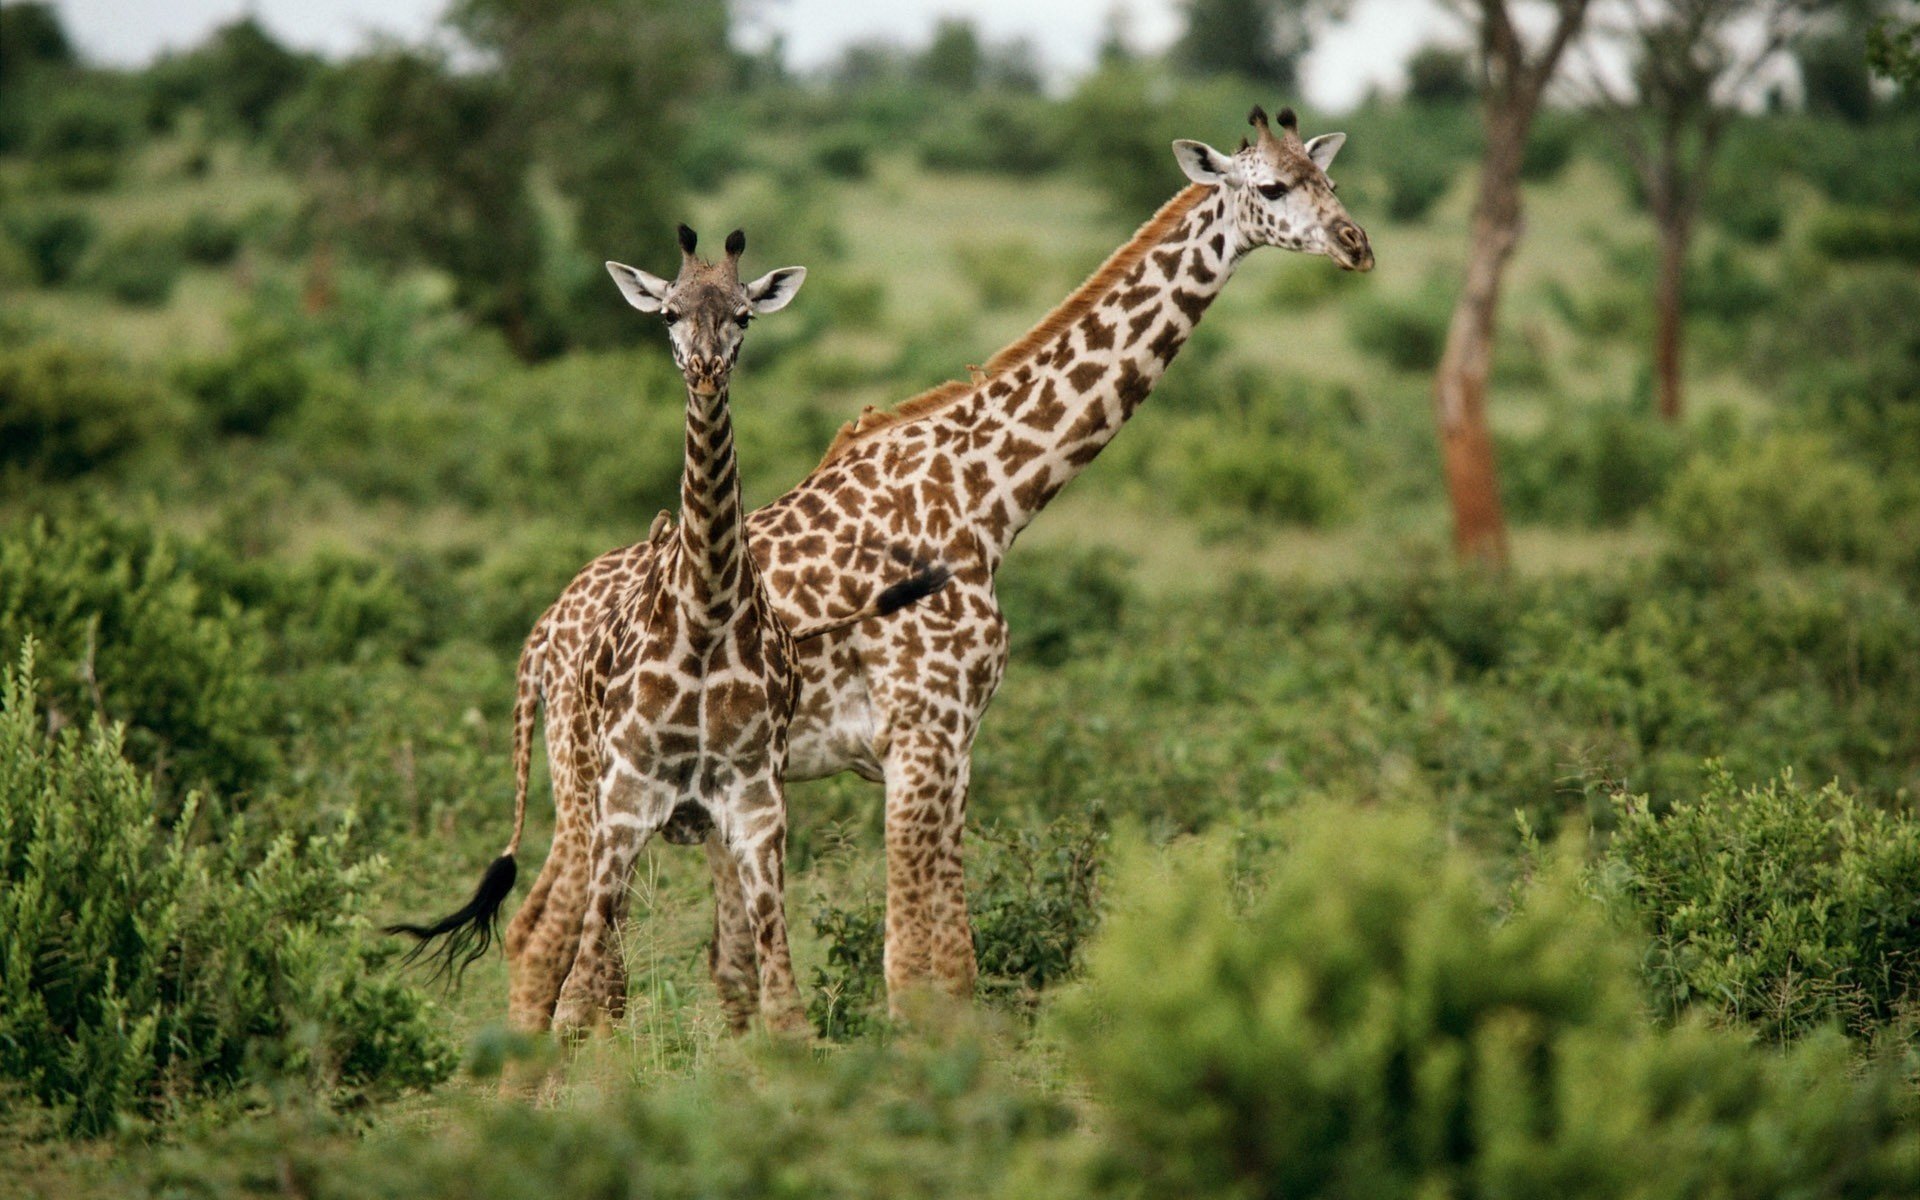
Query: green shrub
point(1255, 474)
point(250, 388)
point(1851, 234)
point(845, 154)
point(1848, 354)
point(54, 241)
point(1415, 182)
point(209, 239)
point(141, 972)
point(1002, 272)
point(1440, 75)
point(1550, 146)
point(66, 413)
point(134, 636)
point(1601, 465)
point(1034, 899)
point(1061, 602)
point(139, 268)
point(1003, 134)
point(1777, 907)
point(1406, 332)
point(1791, 496)
point(1369, 1027)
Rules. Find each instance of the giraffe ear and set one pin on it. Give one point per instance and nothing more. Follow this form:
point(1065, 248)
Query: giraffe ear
point(771, 291)
point(648, 293)
point(1322, 149)
point(1204, 164)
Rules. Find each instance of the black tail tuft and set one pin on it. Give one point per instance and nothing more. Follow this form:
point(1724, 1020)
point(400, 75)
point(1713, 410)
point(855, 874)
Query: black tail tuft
point(468, 933)
point(922, 583)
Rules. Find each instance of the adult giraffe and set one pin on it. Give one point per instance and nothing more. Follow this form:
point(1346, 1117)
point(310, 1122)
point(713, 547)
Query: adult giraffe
point(953, 476)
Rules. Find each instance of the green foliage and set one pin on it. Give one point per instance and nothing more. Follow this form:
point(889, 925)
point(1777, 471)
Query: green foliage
point(1034, 899)
point(1893, 49)
point(1249, 470)
point(1062, 602)
point(1849, 353)
point(66, 413)
point(1367, 1027)
point(1835, 75)
point(259, 382)
point(54, 241)
point(1598, 465)
point(239, 77)
point(137, 268)
point(1407, 332)
point(1008, 135)
point(1258, 41)
point(209, 239)
point(1791, 496)
point(132, 634)
point(142, 972)
point(1440, 75)
point(1002, 272)
point(1847, 234)
point(1777, 907)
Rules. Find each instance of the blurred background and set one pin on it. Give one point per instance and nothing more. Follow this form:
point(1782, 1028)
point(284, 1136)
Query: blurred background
point(1606, 482)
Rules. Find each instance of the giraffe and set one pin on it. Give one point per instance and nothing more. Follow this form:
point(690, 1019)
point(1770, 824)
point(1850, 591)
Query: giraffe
point(955, 473)
point(691, 737)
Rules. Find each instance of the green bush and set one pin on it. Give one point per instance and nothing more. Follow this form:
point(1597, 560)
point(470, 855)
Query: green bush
point(139, 268)
point(133, 635)
point(1002, 272)
point(54, 241)
point(1368, 1026)
point(1848, 354)
point(209, 239)
point(1776, 907)
point(66, 413)
point(250, 388)
point(1601, 465)
point(1252, 473)
point(1406, 332)
point(1034, 900)
point(1851, 234)
point(844, 155)
point(141, 972)
point(1789, 496)
point(1415, 182)
point(1062, 602)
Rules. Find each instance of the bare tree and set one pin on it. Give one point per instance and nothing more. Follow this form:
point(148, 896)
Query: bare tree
point(1688, 64)
point(1512, 76)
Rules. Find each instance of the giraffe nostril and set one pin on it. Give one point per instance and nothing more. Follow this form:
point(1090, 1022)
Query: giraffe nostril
point(1351, 237)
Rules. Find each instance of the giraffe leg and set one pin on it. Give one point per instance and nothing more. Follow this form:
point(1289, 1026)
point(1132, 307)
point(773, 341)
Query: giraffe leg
point(731, 958)
point(547, 927)
point(926, 801)
point(755, 829)
point(951, 951)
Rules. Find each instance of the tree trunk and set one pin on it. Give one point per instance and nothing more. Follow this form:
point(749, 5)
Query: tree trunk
point(1460, 387)
point(1668, 314)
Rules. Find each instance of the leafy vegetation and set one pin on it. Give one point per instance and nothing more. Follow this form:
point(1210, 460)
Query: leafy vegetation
point(1298, 862)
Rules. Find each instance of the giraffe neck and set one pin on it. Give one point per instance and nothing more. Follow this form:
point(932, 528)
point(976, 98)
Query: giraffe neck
point(713, 572)
point(1042, 420)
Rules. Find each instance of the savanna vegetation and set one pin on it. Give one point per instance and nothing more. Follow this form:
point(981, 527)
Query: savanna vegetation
point(1302, 861)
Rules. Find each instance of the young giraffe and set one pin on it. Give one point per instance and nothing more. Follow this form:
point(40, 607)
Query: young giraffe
point(957, 473)
point(693, 738)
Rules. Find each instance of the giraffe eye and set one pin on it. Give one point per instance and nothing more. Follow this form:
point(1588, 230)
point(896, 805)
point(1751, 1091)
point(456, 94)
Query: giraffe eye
point(1273, 191)
point(743, 319)
point(669, 316)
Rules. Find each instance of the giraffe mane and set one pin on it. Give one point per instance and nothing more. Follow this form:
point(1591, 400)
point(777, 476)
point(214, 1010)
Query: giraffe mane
point(1064, 314)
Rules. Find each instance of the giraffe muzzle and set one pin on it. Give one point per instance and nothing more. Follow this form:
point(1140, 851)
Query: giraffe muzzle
point(1350, 248)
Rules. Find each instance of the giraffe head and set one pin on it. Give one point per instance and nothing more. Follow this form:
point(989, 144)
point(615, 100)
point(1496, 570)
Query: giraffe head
point(1279, 193)
point(706, 307)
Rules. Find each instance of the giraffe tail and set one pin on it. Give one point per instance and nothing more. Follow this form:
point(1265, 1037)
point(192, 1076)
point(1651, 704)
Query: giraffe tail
point(923, 580)
point(465, 935)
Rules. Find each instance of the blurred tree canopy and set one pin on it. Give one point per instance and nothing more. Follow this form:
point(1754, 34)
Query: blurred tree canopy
point(519, 177)
point(1261, 41)
point(238, 77)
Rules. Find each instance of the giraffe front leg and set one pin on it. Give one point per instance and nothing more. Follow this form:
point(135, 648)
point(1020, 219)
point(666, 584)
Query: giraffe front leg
point(755, 828)
point(730, 958)
point(928, 938)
